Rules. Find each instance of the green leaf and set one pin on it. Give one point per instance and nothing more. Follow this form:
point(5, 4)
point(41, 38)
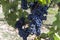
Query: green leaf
point(56, 1)
point(37, 38)
point(43, 35)
point(44, 2)
point(56, 36)
point(30, 0)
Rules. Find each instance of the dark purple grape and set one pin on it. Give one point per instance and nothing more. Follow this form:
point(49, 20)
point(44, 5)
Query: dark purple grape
point(43, 17)
point(24, 4)
point(38, 31)
point(32, 28)
point(31, 4)
point(30, 16)
point(20, 23)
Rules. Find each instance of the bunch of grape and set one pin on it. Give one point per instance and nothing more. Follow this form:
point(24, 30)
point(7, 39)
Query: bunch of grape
point(36, 19)
point(22, 32)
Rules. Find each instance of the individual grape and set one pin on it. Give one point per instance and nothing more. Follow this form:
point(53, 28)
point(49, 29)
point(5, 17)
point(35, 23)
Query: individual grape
point(38, 22)
point(45, 7)
point(23, 34)
point(31, 4)
point(32, 29)
point(38, 31)
point(30, 16)
point(20, 23)
point(43, 10)
point(24, 4)
point(43, 17)
point(36, 19)
point(22, 20)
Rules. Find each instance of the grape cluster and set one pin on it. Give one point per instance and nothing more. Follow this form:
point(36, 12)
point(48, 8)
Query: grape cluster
point(36, 19)
point(24, 4)
point(22, 32)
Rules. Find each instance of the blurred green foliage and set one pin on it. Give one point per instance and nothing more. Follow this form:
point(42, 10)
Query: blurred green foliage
point(11, 11)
